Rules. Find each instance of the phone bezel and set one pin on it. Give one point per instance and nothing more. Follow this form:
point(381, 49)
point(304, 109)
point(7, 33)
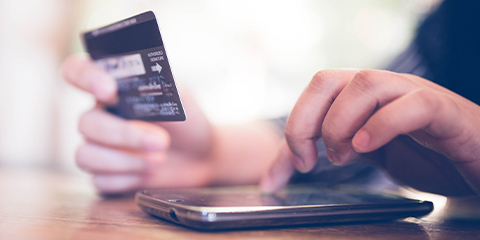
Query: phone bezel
point(221, 218)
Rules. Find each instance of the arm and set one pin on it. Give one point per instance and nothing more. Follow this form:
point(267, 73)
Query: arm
point(429, 134)
point(127, 155)
point(244, 152)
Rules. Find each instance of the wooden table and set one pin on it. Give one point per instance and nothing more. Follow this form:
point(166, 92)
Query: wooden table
point(45, 204)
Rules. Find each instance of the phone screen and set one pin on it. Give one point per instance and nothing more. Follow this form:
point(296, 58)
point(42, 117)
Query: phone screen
point(292, 196)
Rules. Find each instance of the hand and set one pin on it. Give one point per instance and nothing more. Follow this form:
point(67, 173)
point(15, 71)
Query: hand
point(424, 135)
point(125, 155)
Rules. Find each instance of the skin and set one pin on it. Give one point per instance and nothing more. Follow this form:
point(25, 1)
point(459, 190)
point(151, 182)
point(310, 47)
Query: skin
point(422, 134)
point(125, 156)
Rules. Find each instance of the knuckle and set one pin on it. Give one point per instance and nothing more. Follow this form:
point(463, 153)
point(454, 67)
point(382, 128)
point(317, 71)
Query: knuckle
point(365, 79)
point(429, 100)
point(322, 79)
point(323, 74)
point(327, 129)
point(294, 132)
point(329, 134)
point(334, 136)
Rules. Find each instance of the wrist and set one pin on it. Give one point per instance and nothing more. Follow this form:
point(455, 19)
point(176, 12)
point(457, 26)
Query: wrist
point(242, 153)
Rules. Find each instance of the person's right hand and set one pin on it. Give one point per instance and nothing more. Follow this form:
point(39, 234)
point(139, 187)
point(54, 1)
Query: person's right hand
point(127, 155)
point(424, 135)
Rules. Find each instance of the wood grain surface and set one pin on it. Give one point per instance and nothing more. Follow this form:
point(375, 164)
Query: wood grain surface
point(45, 204)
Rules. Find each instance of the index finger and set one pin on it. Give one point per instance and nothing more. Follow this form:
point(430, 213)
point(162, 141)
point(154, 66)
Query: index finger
point(304, 124)
point(80, 71)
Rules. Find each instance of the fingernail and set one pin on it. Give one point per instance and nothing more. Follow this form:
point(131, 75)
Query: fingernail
point(332, 156)
point(266, 185)
point(361, 139)
point(299, 163)
point(154, 142)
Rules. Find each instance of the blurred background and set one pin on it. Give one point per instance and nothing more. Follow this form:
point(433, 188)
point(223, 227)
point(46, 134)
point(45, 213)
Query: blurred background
point(242, 60)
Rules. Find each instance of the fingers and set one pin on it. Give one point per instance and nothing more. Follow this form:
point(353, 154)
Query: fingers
point(96, 159)
point(120, 153)
point(336, 104)
point(280, 172)
point(421, 109)
point(116, 170)
point(81, 72)
point(105, 129)
point(179, 171)
point(304, 123)
point(368, 91)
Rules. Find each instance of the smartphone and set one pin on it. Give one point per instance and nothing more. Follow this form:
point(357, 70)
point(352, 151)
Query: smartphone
point(247, 207)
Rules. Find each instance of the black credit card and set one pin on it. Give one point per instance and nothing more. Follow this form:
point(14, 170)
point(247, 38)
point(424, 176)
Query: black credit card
point(132, 51)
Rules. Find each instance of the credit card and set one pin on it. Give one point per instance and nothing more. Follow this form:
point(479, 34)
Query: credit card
point(132, 51)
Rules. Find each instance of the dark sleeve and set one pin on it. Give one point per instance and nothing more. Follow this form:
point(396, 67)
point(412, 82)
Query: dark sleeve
point(446, 49)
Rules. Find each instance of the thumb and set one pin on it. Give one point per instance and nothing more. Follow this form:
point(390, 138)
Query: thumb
point(280, 171)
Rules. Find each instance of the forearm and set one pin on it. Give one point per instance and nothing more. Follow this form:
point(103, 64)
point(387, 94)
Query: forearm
point(241, 154)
